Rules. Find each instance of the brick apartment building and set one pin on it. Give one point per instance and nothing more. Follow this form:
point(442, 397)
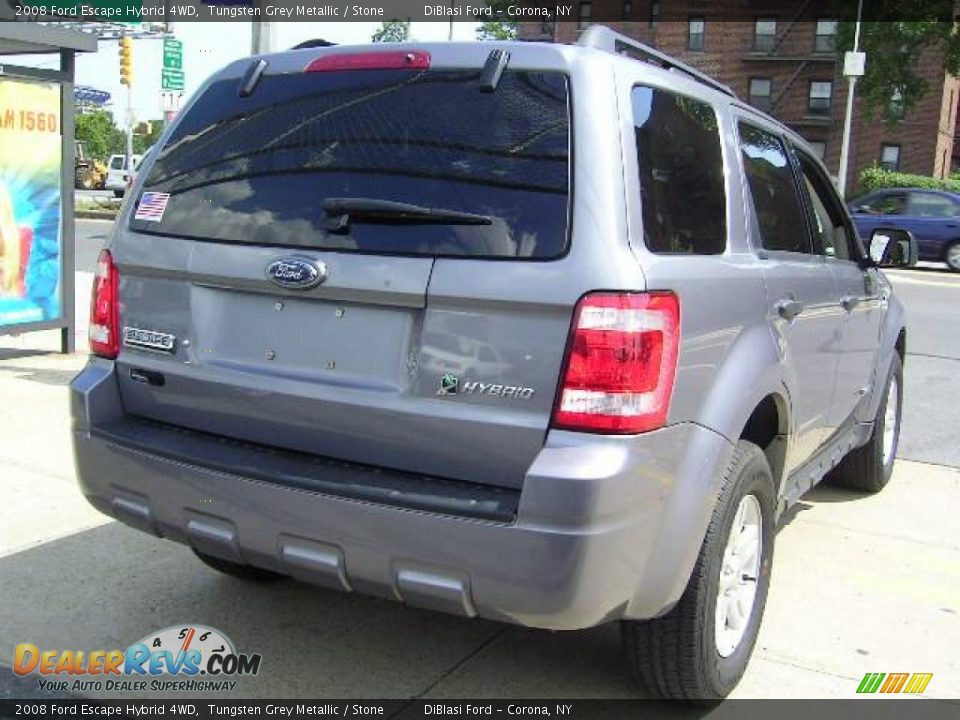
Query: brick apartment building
point(783, 60)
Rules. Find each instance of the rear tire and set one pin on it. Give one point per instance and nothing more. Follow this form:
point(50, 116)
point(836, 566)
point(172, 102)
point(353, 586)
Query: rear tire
point(238, 570)
point(681, 655)
point(868, 468)
point(952, 257)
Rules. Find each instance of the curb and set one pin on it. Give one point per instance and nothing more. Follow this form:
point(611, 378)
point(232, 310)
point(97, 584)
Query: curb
point(95, 214)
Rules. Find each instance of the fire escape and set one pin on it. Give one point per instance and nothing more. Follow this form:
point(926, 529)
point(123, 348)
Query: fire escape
point(802, 61)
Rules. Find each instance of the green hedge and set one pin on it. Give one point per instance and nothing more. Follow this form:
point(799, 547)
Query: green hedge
point(876, 178)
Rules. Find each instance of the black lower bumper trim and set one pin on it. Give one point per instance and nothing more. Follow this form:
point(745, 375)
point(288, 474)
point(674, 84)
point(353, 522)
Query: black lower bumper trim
point(311, 472)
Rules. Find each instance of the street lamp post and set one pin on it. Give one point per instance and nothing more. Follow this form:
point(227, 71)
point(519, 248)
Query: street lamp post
point(853, 66)
point(262, 37)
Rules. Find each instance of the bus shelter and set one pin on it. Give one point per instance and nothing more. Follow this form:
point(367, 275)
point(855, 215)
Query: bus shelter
point(37, 237)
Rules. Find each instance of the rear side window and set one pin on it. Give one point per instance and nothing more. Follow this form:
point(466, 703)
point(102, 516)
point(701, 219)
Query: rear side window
point(773, 187)
point(927, 205)
point(259, 169)
point(681, 173)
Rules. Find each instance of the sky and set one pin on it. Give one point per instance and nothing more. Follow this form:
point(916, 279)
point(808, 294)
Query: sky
point(208, 47)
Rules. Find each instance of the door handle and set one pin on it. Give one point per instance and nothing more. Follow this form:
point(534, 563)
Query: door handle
point(788, 308)
point(849, 302)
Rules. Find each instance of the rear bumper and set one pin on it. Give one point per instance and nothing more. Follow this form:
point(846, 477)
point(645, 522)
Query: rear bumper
point(606, 527)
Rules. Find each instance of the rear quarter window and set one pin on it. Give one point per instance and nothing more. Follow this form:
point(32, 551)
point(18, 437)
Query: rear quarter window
point(683, 195)
point(258, 169)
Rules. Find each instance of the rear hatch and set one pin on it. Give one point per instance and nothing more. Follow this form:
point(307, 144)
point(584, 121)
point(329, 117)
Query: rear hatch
point(273, 290)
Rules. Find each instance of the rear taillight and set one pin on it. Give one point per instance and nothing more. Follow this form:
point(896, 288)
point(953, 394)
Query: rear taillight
point(621, 363)
point(104, 331)
point(390, 60)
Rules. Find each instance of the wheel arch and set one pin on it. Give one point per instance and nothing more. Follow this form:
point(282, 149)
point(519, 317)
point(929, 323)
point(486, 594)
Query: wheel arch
point(748, 398)
point(893, 339)
point(768, 427)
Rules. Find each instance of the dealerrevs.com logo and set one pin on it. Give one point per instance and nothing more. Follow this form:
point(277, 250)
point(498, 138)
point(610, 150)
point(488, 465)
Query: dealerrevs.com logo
point(187, 658)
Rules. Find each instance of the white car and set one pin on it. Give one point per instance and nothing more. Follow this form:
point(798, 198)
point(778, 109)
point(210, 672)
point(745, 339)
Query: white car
point(117, 175)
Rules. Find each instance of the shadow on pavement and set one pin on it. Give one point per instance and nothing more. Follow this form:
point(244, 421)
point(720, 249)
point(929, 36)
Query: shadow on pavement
point(17, 353)
point(45, 376)
point(824, 493)
point(110, 586)
point(792, 512)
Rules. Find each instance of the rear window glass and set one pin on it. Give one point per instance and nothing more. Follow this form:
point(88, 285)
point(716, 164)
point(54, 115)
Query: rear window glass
point(258, 169)
point(681, 173)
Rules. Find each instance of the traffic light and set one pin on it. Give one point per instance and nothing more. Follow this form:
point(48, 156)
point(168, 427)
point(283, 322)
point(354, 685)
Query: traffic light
point(126, 60)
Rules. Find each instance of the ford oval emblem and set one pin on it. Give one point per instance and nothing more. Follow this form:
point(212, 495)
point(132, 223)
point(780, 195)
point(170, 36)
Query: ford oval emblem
point(297, 273)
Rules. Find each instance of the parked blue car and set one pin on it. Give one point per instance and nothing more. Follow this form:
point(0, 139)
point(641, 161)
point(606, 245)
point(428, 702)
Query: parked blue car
point(933, 216)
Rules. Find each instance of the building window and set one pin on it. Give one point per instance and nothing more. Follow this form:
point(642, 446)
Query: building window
point(765, 34)
point(760, 90)
point(695, 34)
point(627, 9)
point(654, 13)
point(826, 38)
point(890, 157)
point(895, 106)
point(821, 94)
point(819, 149)
point(586, 10)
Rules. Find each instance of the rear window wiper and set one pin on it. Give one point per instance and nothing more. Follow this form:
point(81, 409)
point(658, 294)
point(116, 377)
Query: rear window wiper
point(343, 211)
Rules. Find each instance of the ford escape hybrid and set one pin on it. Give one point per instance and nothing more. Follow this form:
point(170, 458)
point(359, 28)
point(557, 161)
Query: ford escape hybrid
point(545, 334)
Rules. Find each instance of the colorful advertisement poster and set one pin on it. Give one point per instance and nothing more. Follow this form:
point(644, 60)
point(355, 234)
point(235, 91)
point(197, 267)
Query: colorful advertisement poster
point(30, 235)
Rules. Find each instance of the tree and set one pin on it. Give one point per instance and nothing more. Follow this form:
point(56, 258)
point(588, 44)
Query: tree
point(891, 85)
point(99, 135)
point(393, 31)
point(498, 30)
point(141, 143)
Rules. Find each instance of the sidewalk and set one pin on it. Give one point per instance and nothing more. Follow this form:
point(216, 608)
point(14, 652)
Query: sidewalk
point(861, 584)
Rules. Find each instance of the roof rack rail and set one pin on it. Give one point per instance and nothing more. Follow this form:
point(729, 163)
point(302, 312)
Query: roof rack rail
point(601, 37)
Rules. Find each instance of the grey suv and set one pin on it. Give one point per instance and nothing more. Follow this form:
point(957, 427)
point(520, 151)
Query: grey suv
point(545, 334)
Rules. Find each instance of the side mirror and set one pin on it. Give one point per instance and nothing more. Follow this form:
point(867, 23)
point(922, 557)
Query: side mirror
point(893, 248)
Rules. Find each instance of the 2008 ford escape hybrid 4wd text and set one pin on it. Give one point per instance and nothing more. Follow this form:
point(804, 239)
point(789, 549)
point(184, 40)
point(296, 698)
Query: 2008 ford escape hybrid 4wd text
point(545, 334)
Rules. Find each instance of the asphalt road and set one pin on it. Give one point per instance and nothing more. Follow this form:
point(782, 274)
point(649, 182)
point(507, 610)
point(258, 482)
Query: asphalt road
point(931, 295)
point(932, 375)
point(91, 236)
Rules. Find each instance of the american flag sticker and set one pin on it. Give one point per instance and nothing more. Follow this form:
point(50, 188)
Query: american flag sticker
point(152, 206)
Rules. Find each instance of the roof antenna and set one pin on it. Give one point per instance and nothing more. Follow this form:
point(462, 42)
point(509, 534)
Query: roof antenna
point(251, 77)
point(493, 69)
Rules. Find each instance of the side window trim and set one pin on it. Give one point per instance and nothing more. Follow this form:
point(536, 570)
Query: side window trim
point(756, 243)
point(854, 249)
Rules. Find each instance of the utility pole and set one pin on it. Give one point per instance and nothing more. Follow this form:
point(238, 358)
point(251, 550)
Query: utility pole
point(261, 40)
point(853, 66)
point(126, 78)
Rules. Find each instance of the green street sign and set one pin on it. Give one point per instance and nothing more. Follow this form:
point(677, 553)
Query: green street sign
point(173, 53)
point(171, 79)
